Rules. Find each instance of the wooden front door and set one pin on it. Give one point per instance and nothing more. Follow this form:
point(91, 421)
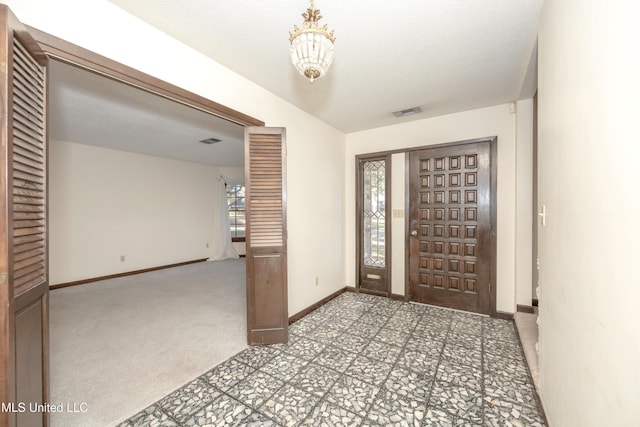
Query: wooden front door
point(450, 226)
point(24, 287)
point(266, 235)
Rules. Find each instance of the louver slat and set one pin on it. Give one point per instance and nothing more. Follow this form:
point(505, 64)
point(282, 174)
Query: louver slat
point(28, 184)
point(265, 191)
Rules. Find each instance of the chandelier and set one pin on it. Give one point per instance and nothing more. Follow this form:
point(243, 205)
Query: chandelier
point(312, 45)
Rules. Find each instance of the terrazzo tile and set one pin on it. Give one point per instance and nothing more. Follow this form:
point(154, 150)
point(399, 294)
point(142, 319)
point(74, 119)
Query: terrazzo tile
point(326, 414)
point(383, 352)
point(290, 405)
point(316, 379)
point(303, 327)
point(462, 356)
point(429, 321)
point(153, 416)
point(351, 343)
point(254, 390)
point(305, 348)
point(257, 355)
point(439, 418)
point(284, 366)
point(353, 395)
point(358, 360)
point(499, 413)
point(373, 318)
point(224, 411)
point(503, 348)
point(433, 311)
point(459, 401)
point(505, 366)
point(182, 403)
point(335, 358)
point(472, 342)
point(410, 384)
point(228, 374)
point(369, 370)
point(509, 388)
point(430, 346)
point(419, 362)
point(394, 337)
point(339, 323)
point(393, 409)
point(460, 375)
point(324, 335)
point(364, 330)
point(256, 419)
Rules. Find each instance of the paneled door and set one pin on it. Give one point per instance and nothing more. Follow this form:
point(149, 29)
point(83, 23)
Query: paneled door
point(266, 235)
point(24, 287)
point(451, 254)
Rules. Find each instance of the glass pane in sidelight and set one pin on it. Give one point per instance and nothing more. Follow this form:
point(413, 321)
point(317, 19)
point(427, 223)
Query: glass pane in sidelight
point(373, 213)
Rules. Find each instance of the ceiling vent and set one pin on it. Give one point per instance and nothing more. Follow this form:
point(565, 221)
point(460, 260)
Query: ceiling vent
point(210, 141)
point(407, 112)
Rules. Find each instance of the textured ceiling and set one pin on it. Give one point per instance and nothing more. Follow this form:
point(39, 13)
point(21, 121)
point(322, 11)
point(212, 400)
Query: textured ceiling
point(442, 55)
point(90, 109)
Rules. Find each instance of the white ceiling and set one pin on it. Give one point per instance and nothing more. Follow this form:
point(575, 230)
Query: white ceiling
point(90, 109)
point(442, 55)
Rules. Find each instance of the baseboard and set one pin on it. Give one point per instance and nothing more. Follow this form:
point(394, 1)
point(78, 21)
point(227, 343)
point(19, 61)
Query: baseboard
point(398, 297)
point(504, 316)
point(128, 273)
point(525, 309)
point(315, 306)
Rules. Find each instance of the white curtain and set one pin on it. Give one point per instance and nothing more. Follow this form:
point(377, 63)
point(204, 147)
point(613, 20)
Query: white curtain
point(222, 247)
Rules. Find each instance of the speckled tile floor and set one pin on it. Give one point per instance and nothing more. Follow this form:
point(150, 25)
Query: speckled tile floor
point(362, 360)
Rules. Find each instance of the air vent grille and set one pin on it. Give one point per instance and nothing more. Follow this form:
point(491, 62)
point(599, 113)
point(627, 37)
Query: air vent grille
point(209, 141)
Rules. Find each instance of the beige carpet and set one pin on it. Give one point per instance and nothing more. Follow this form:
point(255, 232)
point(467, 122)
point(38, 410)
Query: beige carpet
point(121, 344)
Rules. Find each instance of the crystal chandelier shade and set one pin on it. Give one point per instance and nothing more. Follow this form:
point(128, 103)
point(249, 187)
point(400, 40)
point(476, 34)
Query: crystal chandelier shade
point(312, 47)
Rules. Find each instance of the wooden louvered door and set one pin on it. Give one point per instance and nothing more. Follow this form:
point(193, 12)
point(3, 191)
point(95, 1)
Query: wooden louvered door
point(450, 224)
point(24, 288)
point(266, 235)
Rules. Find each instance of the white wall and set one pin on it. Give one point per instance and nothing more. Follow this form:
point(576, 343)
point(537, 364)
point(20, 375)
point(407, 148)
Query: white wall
point(315, 194)
point(589, 157)
point(524, 201)
point(105, 204)
point(492, 121)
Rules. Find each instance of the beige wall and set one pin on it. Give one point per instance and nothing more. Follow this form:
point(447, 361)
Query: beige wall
point(315, 150)
point(105, 204)
point(589, 155)
point(497, 120)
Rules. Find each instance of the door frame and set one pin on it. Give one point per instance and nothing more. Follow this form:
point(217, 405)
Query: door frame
point(387, 233)
point(66, 52)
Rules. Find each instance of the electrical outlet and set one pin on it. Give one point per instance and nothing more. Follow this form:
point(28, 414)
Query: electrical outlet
point(317, 281)
point(121, 258)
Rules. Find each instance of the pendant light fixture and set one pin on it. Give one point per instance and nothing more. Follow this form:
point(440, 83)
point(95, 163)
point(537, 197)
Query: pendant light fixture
point(311, 45)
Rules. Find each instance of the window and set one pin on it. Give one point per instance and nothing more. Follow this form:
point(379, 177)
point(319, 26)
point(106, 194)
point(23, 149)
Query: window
point(235, 199)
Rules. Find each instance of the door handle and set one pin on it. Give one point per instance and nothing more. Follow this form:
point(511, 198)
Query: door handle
point(414, 228)
point(414, 233)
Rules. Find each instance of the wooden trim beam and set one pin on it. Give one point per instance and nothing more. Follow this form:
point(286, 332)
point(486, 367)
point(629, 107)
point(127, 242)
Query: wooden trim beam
point(128, 273)
point(69, 53)
point(525, 309)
